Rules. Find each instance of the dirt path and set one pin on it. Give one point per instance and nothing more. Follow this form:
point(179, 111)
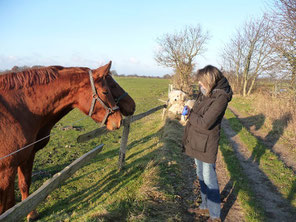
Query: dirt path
point(231, 211)
point(276, 207)
point(284, 153)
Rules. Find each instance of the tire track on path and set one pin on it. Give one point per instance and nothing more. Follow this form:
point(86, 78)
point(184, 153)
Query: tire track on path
point(276, 207)
point(286, 155)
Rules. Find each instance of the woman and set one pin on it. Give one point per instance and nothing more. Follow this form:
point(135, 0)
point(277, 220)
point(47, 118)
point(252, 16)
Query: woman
point(202, 134)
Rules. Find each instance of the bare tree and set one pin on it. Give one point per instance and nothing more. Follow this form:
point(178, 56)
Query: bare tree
point(283, 41)
point(232, 56)
point(179, 50)
point(259, 56)
point(248, 54)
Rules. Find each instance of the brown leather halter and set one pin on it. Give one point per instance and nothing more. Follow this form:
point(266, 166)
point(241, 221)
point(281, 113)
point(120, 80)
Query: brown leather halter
point(95, 97)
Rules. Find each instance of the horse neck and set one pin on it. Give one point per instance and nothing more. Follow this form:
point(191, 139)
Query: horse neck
point(57, 98)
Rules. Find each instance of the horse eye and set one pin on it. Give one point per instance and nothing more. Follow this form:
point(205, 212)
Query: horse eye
point(105, 93)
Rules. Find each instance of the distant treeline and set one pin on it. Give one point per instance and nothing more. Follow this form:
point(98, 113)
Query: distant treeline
point(18, 69)
point(113, 72)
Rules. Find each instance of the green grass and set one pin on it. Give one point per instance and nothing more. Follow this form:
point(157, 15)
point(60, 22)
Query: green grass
point(252, 209)
point(281, 176)
point(98, 191)
point(243, 104)
point(275, 119)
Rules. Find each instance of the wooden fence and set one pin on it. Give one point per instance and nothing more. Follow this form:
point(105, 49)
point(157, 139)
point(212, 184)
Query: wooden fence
point(20, 210)
point(124, 139)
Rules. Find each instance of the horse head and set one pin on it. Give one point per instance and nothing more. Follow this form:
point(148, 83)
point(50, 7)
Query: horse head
point(126, 104)
point(96, 100)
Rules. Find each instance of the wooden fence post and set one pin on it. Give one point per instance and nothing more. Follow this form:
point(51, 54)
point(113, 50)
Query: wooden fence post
point(170, 88)
point(123, 143)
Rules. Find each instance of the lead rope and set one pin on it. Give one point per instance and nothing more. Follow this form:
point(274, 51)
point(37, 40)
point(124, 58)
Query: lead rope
point(51, 134)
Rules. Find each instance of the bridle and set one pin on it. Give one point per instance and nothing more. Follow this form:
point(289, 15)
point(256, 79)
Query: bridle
point(95, 97)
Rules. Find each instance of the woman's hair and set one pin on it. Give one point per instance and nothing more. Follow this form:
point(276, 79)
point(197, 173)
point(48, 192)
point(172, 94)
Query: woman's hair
point(209, 76)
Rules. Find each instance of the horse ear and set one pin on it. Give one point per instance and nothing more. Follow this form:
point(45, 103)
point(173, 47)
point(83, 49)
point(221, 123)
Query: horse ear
point(102, 71)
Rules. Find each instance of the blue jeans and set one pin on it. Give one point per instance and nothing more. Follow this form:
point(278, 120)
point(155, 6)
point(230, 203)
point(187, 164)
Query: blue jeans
point(209, 188)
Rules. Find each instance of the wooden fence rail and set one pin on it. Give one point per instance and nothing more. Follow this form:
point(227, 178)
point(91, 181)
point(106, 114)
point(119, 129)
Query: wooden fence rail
point(102, 130)
point(20, 210)
point(124, 139)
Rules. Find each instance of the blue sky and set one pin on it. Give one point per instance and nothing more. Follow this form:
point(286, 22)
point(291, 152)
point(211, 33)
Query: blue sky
point(90, 33)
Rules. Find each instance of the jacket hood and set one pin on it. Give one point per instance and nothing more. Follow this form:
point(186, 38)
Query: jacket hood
point(223, 85)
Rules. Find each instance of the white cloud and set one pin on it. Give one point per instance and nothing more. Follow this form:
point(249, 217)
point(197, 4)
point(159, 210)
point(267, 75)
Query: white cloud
point(7, 62)
point(130, 65)
point(139, 67)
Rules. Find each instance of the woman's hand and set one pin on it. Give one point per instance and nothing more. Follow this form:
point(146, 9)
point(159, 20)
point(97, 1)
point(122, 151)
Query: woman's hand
point(186, 111)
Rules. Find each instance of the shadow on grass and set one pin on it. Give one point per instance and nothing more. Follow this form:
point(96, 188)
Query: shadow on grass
point(272, 137)
point(238, 183)
point(228, 196)
point(292, 193)
point(257, 152)
point(48, 172)
point(269, 141)
point(121, 184)
point(262, 144)
point(111, 180)
point(257, 121)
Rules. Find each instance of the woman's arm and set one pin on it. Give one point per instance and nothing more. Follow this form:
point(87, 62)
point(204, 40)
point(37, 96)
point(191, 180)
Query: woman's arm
point(207, 120)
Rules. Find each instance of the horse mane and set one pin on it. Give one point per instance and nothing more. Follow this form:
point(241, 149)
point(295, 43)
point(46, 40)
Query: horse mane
point(29, 77)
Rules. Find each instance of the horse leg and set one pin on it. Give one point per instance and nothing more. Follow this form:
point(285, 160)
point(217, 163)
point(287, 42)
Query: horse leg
point(7, 198)
point(24, 176)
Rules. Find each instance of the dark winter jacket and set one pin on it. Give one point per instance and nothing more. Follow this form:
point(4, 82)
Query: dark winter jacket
point(202, 131)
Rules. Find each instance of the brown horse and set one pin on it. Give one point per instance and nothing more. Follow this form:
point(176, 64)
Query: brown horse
point(34, 100)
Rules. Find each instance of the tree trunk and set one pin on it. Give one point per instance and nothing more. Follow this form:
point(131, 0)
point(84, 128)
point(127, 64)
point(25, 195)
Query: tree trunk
point(237, 78)
point(247, 67)
point(252, 85)
point(293, 79)
point(245, 87)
